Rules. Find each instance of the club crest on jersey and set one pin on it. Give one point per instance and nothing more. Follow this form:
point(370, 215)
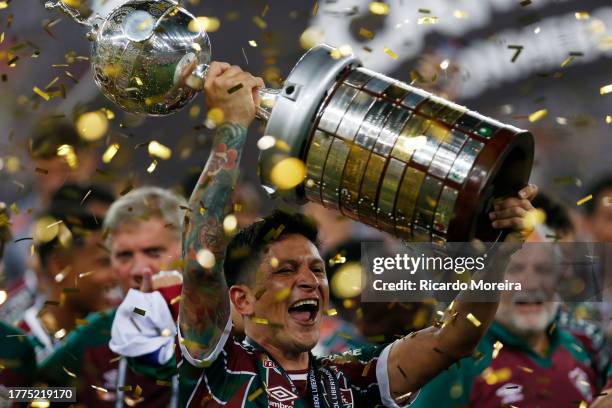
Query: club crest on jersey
point(279, 395)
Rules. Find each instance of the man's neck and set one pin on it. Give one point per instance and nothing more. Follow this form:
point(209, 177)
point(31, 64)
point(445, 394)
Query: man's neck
point(538, 342)
point(289, 361)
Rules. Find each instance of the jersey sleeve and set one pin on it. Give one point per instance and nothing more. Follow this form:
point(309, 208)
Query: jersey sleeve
point(17, 359)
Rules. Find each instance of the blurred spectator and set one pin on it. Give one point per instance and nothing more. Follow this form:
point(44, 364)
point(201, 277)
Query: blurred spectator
point(144, 237)
point(599, 210)
point(74, 277)
point(17, 361)
point(53, 168)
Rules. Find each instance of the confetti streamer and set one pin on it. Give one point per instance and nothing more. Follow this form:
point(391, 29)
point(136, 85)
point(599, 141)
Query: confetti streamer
point(110, 152)
point(473, 319)
point(379, 8)
point(460, 14)
point(40, 92)
point(427, 20)
point(584, 199)
point(331, 312)
point(95, 387)
point(260, 320)
point(253, 43)
point(365, 33)
point(497, 346)
point(70, 373)
point(255, 394)
point(538, 115)
point(260, 22)
point(605, 89)
point(159, 150)
point(582, 15)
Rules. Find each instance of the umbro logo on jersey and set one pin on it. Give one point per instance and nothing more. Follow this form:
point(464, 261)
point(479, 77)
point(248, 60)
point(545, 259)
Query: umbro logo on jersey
point(282, 394)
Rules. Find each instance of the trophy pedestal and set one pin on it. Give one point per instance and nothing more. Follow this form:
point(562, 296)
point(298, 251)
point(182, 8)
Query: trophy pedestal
point(391, 155)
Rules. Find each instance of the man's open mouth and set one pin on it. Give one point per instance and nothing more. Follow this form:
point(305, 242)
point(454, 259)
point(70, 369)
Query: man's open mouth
point(305, 310)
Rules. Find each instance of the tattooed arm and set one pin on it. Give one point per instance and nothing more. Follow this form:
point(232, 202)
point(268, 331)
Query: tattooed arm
point(205, 308)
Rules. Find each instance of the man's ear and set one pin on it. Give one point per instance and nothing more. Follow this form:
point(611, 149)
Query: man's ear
point(243, 299)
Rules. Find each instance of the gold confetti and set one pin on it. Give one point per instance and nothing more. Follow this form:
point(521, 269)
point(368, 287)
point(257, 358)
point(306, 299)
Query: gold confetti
point(288, 173)
point(538, 115)
point(3, 4)
point(567, 61)
point(81, 322)
point(583, 404)
point(3, 296)
point(534, 217)
point(391, 53)
point(152, 167)
point(282, 294)
point(41, 93)
point(526, 369)
point(91, 126)
point(259, 22)
point(582, 15)
point(584, 199)
point(260, 320)
point(366, 369)
point(266, 142)
point(460, 14)
point(230, 223)
point(139, 311)
point(473, 320)
point(159, 150)
point(346, 282)
point(163, 383)
point(205, 258)
point(253, 43)
point(365, 33)
point(72, 3)
point(202, 23)
point(379, 8)
point(255, 394)
point(605, 89)
point(95, 387)
point(235, 88)
point(110, 152)
point(138, 391)
point(496, 348)
point(331, 312)
point(312, 37)
point(426, 20)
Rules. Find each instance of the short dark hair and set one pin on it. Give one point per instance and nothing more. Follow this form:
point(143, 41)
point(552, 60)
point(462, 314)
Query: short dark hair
point(244, 250)
point(69, 205)
point(557, 216)
point(597, 189)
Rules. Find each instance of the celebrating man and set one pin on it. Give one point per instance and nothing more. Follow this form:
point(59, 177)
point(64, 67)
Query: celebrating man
point(275, 278)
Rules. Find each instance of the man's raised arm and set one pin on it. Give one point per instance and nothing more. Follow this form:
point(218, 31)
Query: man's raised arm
point(416, 359)
point(205, 308)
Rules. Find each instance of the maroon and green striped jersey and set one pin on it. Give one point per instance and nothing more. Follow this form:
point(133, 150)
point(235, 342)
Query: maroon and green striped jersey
point(515, 375)
point(17, 359)
point(239, 375)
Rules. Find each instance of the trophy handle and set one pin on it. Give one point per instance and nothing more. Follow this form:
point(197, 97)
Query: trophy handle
point(268, 96)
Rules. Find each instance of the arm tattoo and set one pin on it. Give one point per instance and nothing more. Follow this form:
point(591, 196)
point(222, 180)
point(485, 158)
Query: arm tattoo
point(205, 305)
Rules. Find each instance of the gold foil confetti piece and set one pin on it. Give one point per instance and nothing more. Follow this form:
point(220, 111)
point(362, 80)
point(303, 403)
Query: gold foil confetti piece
point(365, 33)
point(203, 23)
point(402, 398)
point(127, 388)
point(379, 8)
point(266, 142)
point(3, 296)
point(235, 88)
point(518, 49)
point(110, 152)
point(138, 391)
point(41, 93)
point(92, 126)
point(260, 22)
point(166, 333)
point(69, 75)
point(282, 294)
point(139, 311)
point(205, 258)
point(582, 15)
point(583, 404)
point(608, 119)
point(230, 223)
point(163, 383)
point(584, 199)
point(255, 394)
point(3, 5)
point(95, 387)
point(81, 322)
point(366, 369)
point(460, 14)
point(152, 167)
point(497, 346)
point(538, 115)
point(605, 89)
point(567, 61)
point(260, 320)
point(526, 369)
point(14, 208)
point(175, 299)
point(159, 150)
point(427, 20)
point(473, 319)
point(311, 37)
point(288, 173)
point(53, 81)
point(253, 43)
point(331, 312)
